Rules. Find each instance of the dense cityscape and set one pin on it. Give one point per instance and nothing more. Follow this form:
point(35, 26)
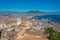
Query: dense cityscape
point(29, 19)
point(22, 27)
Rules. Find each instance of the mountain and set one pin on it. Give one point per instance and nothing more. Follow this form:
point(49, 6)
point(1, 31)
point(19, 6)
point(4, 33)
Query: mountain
point(35, 11)
point(28, 12)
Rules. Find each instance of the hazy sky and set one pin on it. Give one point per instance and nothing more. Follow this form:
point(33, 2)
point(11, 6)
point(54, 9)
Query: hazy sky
point(24, 5)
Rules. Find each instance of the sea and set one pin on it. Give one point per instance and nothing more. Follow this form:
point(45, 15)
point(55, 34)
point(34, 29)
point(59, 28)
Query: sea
point(53, 18)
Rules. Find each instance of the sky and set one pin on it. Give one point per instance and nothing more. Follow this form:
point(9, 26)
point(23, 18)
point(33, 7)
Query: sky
point(25, 5)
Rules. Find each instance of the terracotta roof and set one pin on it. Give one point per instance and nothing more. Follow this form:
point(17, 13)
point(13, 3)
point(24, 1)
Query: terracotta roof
point(35, 32)
point(32, 38)
point(11, 33)
point(21, 32)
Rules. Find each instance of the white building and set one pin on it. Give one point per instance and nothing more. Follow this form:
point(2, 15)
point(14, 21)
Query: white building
point(18, 21)
point(3, 25)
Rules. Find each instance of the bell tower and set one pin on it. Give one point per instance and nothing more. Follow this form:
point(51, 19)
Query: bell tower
point(18, 21)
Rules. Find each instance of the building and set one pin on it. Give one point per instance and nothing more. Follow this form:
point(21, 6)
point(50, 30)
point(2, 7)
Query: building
point(18, 21)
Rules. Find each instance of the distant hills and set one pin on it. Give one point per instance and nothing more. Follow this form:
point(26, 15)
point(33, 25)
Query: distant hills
point(28, 12)
point(54, 13)
point(8, 12)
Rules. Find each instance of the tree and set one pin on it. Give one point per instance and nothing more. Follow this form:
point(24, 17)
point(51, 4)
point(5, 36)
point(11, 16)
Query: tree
point(52, 34)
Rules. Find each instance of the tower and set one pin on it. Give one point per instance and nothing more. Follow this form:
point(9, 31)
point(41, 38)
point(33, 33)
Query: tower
point(18, 21)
